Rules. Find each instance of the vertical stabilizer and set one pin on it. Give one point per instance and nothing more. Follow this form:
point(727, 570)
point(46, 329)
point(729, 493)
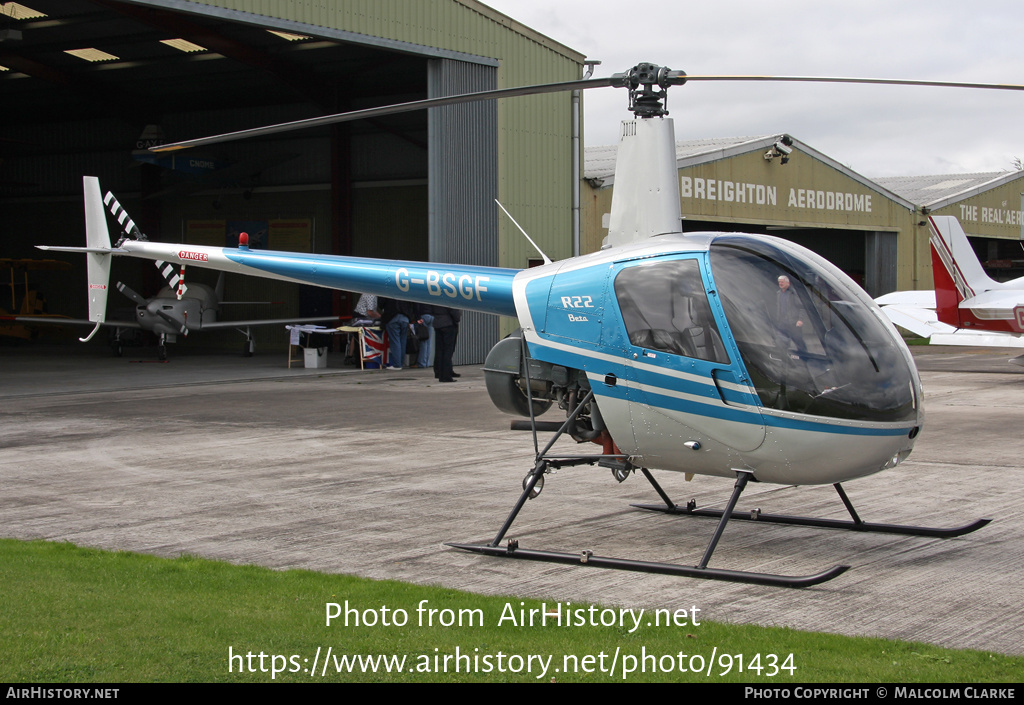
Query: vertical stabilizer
point(957, 272)
point(97, 237)
point(645, 202)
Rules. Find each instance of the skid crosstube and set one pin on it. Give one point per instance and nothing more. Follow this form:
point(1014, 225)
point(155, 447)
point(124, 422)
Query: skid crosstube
point(857, 524)
point(588, 559)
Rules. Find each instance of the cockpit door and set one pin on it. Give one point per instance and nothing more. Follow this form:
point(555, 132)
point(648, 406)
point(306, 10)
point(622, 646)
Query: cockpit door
point(685, 383)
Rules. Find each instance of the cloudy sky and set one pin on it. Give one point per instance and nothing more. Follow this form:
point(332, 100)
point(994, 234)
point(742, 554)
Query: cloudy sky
point(875, 130)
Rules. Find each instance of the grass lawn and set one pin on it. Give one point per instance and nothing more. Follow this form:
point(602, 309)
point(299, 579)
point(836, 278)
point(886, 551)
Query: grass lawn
point(77, 615)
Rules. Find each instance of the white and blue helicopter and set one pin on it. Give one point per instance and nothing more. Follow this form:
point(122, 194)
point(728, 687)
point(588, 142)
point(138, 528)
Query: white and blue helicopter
point(715, 353)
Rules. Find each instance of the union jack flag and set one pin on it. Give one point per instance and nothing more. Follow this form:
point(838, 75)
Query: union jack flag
point(372, 340)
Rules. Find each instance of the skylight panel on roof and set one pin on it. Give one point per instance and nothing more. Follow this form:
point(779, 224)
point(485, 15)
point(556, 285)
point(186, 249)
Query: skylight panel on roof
point(183, 45)
point(947, 184)
point(289, 36)
point(17, 11)
point(91, 55)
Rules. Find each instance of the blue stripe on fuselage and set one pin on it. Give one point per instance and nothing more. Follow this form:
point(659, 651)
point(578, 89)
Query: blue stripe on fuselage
point(660, 401)
point(713, 408)
point(470, 287)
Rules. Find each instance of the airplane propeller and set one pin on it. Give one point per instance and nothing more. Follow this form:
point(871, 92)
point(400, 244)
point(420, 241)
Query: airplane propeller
point(131, 294)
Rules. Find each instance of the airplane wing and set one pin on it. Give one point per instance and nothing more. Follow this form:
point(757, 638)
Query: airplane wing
point(915, 312)
point(980, 338)
point(919, 321)
point(61, 320)
point(916, 299)
point(265, 322)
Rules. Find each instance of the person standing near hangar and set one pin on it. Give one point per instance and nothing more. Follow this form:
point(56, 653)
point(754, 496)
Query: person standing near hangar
point(446, 329)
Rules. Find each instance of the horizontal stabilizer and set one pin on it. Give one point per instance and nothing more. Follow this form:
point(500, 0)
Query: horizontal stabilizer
point(97, 250)
point(919, 321)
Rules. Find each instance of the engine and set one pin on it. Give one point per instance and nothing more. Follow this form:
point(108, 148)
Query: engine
point(516, 381)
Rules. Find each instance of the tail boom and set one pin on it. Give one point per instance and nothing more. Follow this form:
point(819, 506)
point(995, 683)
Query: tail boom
point(469, 287)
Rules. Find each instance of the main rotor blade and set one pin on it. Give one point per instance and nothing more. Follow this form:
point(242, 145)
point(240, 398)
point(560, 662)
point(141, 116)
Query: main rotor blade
point(582, 84)
point(620, 80)
point(869, 81)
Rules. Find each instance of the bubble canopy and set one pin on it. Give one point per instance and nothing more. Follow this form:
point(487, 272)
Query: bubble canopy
point(812, 341)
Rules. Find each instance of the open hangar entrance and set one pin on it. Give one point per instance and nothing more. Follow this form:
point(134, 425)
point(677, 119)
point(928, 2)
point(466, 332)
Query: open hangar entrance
point(1003, 260)
point(95, 81)
point(869, 258)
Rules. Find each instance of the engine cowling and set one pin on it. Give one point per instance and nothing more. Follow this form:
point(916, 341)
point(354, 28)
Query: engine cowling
point(515, 381)
point(506, 372)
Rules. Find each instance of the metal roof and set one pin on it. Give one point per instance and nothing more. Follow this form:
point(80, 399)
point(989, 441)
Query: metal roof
point(239, 65)
point(940, 190)
point(600, 161)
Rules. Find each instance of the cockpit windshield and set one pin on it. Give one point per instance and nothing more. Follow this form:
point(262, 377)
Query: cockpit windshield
point(810, 339)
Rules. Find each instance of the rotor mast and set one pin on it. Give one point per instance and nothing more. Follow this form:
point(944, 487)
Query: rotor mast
point(645, 201)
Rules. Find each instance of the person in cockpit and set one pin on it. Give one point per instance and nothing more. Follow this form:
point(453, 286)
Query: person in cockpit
point(789, 317)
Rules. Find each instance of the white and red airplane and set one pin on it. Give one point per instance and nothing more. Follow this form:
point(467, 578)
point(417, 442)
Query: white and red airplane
point(967, 307)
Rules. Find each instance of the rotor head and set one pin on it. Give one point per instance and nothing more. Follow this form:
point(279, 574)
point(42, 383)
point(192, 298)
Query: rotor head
point(648, 88)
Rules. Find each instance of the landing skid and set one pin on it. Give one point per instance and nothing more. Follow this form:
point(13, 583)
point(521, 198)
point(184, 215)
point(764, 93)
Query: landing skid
point(855, 525)
point(586, 558)
point(620, 466)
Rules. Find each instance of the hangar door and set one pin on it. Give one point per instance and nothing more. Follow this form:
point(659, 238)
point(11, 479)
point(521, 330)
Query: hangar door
point(463, 183)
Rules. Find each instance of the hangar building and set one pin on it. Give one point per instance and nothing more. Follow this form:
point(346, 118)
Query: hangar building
point(88, 83)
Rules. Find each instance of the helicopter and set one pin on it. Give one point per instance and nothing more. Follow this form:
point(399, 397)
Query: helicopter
point(708, 353)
